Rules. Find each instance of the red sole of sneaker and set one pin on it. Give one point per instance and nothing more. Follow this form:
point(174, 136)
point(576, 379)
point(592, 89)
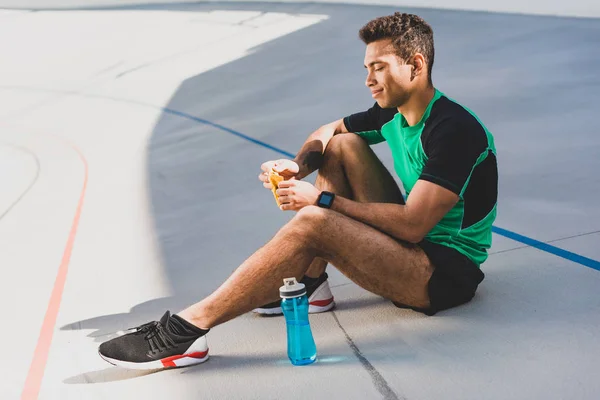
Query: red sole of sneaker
point(182, 360)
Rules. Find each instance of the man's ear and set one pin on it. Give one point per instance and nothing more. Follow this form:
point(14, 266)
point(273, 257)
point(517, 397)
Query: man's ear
point(417, 65)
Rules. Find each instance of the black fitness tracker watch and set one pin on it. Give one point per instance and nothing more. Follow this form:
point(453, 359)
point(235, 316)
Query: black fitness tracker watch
point(325, 199)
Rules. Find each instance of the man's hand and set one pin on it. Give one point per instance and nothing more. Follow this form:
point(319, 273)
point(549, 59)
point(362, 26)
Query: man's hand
point(294, 195)
point(286, 168)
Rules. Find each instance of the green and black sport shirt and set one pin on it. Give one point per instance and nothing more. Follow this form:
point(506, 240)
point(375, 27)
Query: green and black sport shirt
point(452, 148)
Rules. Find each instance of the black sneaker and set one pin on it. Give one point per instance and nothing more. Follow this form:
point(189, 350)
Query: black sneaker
point(319, 295)
point(170, 342)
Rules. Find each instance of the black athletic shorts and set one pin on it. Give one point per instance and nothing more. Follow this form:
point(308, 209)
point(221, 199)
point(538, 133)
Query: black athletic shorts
point(454, 280)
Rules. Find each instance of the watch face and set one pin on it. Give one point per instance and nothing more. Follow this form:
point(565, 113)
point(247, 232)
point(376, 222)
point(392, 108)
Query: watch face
point(326, 199)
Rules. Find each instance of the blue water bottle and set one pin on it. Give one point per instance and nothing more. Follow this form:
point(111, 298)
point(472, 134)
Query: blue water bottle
point(294, 303)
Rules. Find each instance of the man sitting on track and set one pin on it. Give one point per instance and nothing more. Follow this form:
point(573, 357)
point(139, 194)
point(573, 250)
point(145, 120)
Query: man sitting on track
point(423, 253)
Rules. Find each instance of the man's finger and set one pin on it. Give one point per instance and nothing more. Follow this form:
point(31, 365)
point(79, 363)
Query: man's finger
point(284, 199)
point(285, 184)
point(268, 185)
point(288, 207)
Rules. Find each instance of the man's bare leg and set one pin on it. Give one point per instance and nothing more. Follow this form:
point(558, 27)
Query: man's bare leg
point(352, 170)
point(316, 268)
point(370, 258)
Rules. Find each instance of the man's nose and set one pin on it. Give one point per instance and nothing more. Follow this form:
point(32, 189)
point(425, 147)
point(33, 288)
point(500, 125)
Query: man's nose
point(370, 81)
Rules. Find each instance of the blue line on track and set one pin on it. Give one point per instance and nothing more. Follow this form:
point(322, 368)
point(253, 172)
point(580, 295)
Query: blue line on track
point(567, 255)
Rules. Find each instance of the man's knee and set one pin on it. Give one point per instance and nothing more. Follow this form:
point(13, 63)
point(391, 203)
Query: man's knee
point(342, 143)
point(308, 222)
point(311, 217)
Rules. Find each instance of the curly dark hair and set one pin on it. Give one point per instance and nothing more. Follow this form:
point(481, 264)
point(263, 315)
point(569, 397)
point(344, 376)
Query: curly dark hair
point(410, 34)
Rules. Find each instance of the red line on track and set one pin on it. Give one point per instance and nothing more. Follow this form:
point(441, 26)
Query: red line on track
point(40, 356)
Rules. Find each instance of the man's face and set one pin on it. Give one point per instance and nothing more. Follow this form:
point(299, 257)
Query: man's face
point(388, 78)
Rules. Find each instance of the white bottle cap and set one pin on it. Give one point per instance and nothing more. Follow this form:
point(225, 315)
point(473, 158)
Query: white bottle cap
point(291, 288)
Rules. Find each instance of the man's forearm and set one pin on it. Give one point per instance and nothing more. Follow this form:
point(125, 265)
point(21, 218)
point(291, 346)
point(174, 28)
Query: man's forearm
point(393, 219)
point(310, 156)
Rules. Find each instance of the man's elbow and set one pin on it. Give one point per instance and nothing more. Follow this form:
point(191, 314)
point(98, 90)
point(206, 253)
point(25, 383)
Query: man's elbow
point(415, 235)
point(414, 238)
point(414, 227)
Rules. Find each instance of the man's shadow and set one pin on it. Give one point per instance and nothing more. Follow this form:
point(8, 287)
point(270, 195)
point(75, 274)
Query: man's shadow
point(106, 327)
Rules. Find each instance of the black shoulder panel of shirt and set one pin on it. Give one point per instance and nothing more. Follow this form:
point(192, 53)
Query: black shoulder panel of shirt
point(371, 120)
point(453, 140)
